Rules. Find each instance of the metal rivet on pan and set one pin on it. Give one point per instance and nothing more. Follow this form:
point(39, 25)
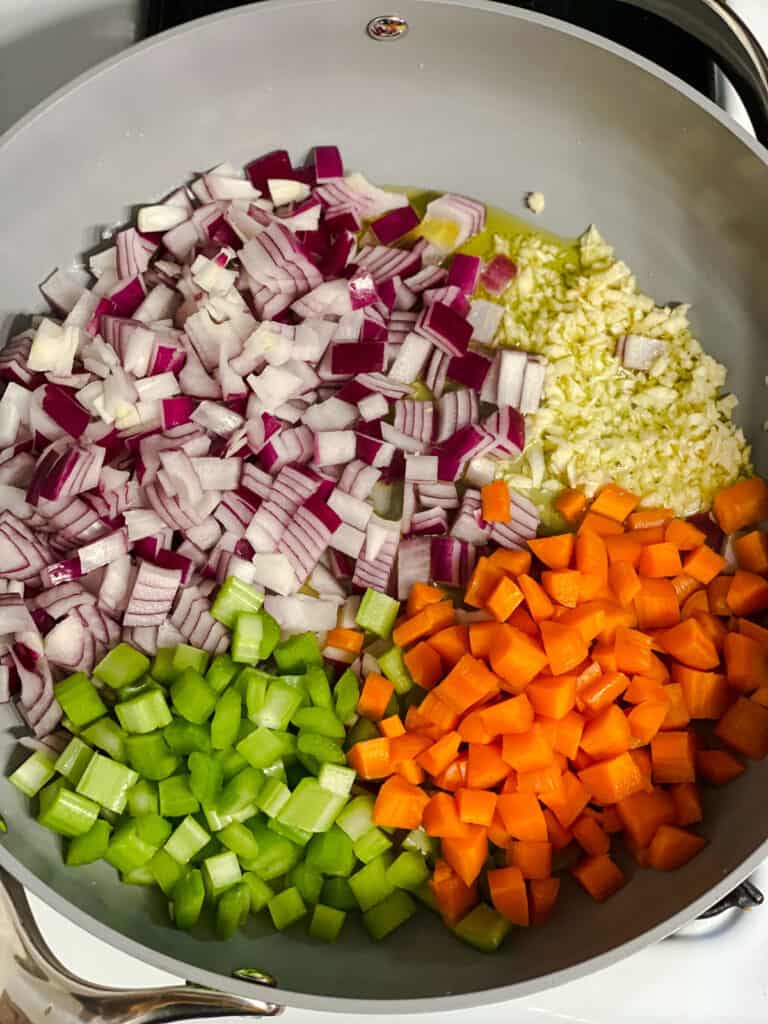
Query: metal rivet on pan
point(387, 27)
point(254, 975)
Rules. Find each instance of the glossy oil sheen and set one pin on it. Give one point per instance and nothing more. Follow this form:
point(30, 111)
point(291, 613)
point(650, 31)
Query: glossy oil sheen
point(479, 99)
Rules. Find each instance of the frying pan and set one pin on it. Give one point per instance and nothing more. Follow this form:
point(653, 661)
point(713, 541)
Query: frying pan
point(477, 98)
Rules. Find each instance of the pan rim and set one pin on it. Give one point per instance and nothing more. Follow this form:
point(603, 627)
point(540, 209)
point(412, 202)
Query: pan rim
point(287, 997)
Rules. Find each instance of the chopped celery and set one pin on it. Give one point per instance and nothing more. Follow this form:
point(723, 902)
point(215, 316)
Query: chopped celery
point(326, 923)
point(280, 703)
point(298, 653)
point(270, 636)
point(299, 836)
point(331, 853)
point(394, 668)
point(232, 763)
point(162, 668)
point(107, 735)
point(286, 908)
point(185, 656)
point(389, 914)
point(318, 688)
point(346, 694)
point(73, 760)
point(166, 870)
point(258, 890)
point(370, 884)
point(371, 844)
point(357, 817)
point(377, 613)
point(311, 807)
point(322, 748)
point(80, 700)
point(408, 871)
point(219, 872)
point(363, 729)
point(192, 697)
point(144, 712)
point(320, 721)
point(184, 737)
point(260, 748)
point(273, 796)
point(138, 876)
point(153, 829)
point(107, 782)
point(418, 841)
point(33, 774)
point(225, 724)
point(127, 850)
point(252, 684)
point(90, 846)
point(142, 799)
point(221, 672)
point(188, 897)
point(239, 839)
point(121, 666)
point(216, 822)
point(235, 597)
point(150, 755)
point(232, 910)
point(336, 778)
point(247, 636)
point(206, 775)
point(277, 855)
point(288, 741)
point(483, 928)
point(426, 897)
point(337, 893)
point(175, 798)
point(241, 790)
point(308, 881)
point(187, 839)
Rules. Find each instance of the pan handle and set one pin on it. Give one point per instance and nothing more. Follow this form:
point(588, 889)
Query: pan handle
point(735, 48)
point(36, 989)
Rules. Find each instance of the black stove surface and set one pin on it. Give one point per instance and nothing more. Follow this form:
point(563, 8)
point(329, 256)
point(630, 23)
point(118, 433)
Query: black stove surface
point(646, 34)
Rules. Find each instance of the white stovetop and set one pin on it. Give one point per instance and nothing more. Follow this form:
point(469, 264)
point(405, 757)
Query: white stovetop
point(713, 973)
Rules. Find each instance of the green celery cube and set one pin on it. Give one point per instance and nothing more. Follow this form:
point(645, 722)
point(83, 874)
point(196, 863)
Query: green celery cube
point(260, 892)
point(346, 694)
point(239, 839)
point(121, 666)
point(286, 908)
point(107, 783)
point(326, 923)
point(188, 839)
point(144, 712)
point(192, 697)
point(220, 872)
point(337, 893)
point(150, 755)
point(318, 688)
point(370, 884)
point(393, 911)
point(65, 811)
point(162, 670)
point(308, 881)
point(33, 774)
point(299, 836)
point(107, 735)
point(483, 928)
point(153, 829)
point(298, 653)
point(240, 791)
point(232, 910)
point(233, 598)
point(166, 871)
point(337, 778)
point(277, 855)
point(187, 898)
point(370, 845)
point(357, 817)
point(260, 748)
point(185, 737)
point(273, 796)
point(280, 703)
point(311, 807)
point(331, 853)
point(142, 799)
point(377, 613)
point(80, 700)
point(221, 672)
point(175, 798)
point(394, 668)
point(320, 721)
point(89, 847)
point(408, 871)
point(73, 760)
point(185, 656)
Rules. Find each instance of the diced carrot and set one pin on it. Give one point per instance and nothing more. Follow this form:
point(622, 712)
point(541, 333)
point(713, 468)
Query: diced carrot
point(647, 535)
point(688, 809)
point(607, 734)
point(421, 595)
point(747, 594)
point(468, 682)
point(707, 694)
point(678, 715)
point(514, 563)
point(597, 695)
point(599, 876)
point(424, 664)
point(472, 729)
point(476, 806)
point(594, 588)
point(609, 819)
point(453, 897)
point(497, 833)
point(542, 896)
point(562, 586)
point(553, 697)
point(646, 719)
point(703, 564)
point(451, 643)
point(521, 619)
point(590, 836)
point(555, 551)
point(484, 578)
point(656, 605)
point(643, 813)
point(613, 780)
point(601, 525)
point(660, 560)
point(570, 504)
point(633, 651)
point(509, 895)
point(718, 766)
point(522, 816)
point(642, 688)
point(751, 629)
point(435, 759)
point(717, 593)
point(514, 715)
point(558, 836)
point(752, 551)
point(564, 646)
point(684, 535)
point(480, 634)
point(539, 605)
point(713, 627)
point(673, 757)
point(399, 804)
point(685, 587)
point(646, 518)
point(624, 582)
point(406, 747)
point(495, 502)
point(570, 801)
point(622, 548)
point(741, 505)
point(568, 736)
point(370, 758)
point(761, 696)
point(345, 639)
point(466, 854)
point(615, 502)
point(413, 629)
point(581, 760)
point(528, 751)
point(455, 775)
point(485, 766)
point(638, 853)
point(439, 616)
point(533, 858)
point(744, 726)
point(417, 723)
point(441, 817)
point(589, 619)
point(411, 772)
point(672, 847)
point(642, 758)
point(695, 603)
point(436, 712)
point(543, 780)
point(515, 657)
point(746, 662)
point(503, 599)
point(375, 696)
point(391, 726)
point(591, 556)
point(689, 643)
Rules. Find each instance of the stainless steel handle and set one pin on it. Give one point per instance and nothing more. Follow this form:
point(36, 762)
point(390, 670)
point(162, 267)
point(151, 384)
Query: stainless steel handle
point(735, 48)
point(36, 989)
